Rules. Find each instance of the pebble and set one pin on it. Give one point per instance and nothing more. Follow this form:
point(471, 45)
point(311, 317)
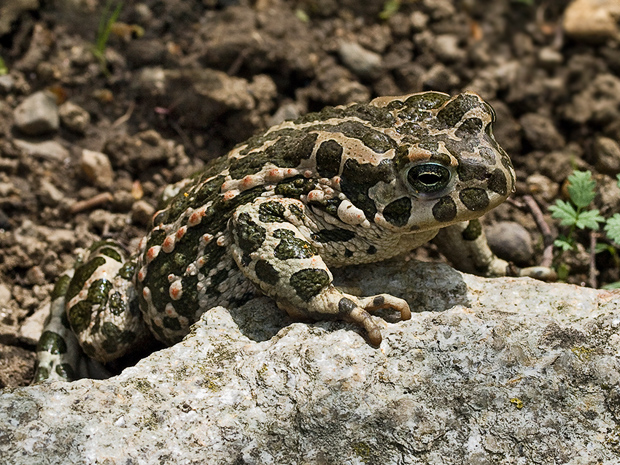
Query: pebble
point(447, 48)
point(549, 57)
point(37, 114)
point(540, 132)
point(607, 155)
point(592, 20)
point(542, 187)
point(6, 83)
point(97, 167)
point(49, 149)
point(510, 241)
point(142, 213)
point(5, 293)
point(362, 62)
point(74, 117)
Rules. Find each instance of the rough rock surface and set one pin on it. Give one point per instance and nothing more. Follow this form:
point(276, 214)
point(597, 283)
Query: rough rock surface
point(505, 371)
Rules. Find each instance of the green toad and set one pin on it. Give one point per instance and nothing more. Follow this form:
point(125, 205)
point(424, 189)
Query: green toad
point(347, 185)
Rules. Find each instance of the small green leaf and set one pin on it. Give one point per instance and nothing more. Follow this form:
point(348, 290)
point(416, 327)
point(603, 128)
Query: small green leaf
point(610, 286)
point(589, 219)
point(390, 8)
point(612, 228)
point(563, 244)
point(601, 247)
point(581, 188)
point(3, 67)
point(564, 212)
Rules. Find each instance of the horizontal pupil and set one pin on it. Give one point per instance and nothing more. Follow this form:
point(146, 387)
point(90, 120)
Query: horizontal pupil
point(429, 178)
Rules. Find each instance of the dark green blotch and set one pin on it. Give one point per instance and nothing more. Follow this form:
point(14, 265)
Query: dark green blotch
point(65, 371)
point(82, 274)
point(286, 152)
point(333, 235)
point(112, 253)
point(52, 343)
point(346, 306)
point(61, 286)
point(295, 187)
point(474, 199)
point(79, 316)
point(271, 212)
point(128, 270)
point(357, 178)
point(328, 158)
point(472, 231)
point(497, 182)
point(398, 211)
point(250, 236)
point(309, 282)
point(471, 127)
point(444, 210)
point(427, 100)
point(296, 211)
point(468, 171)
point(455, 109)
point(116, 303)
point(98, 292)
point(291, 246)
point(266, 272)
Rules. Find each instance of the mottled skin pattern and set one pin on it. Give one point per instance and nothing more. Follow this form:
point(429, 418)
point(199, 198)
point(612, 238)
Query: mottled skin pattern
point(348, 185)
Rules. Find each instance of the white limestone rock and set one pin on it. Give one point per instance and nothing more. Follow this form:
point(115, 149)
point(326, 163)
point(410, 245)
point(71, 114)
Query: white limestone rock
point(503, 371)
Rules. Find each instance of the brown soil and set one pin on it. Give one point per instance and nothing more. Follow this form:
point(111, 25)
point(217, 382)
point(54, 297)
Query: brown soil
point(206, 75)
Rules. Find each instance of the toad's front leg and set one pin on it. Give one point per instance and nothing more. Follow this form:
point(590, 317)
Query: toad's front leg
point(271, 249)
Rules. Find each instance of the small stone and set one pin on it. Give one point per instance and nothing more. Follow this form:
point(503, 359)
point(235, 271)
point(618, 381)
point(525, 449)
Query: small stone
point(607, 155)
point(37, 114)
point(97, 167)
point(34, 275)
point(5, 293)
point(510, 241)
point(49, 149)
point(142, 213)
point(549, 57)
point(362, 62)
point(6, 83)
point(540, 132)
point(542, 187)
point(592, 20)
point(418, 21)
point(74, 117)
point(447, 48)
point(123, 200)
point(50, 195)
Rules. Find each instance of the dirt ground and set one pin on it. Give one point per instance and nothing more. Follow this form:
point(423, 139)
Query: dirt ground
point(178, 83)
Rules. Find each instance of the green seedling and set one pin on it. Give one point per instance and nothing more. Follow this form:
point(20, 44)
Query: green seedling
point(574, 213)
point(3, 67)
point(390, 8)
point(103, 33)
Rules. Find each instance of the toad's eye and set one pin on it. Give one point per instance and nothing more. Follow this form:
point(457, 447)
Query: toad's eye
point(429, 179)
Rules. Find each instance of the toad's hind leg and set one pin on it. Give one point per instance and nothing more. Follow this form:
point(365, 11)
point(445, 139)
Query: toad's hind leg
point(271, 249)
point(94, 315)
